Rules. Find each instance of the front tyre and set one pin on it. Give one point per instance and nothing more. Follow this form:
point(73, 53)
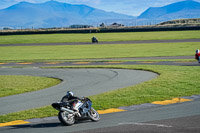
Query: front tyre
point(94, 115)
point(66, 118)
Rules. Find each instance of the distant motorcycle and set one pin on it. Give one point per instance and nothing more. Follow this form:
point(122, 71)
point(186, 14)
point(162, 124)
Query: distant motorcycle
point(67, 116)
point(94, 40)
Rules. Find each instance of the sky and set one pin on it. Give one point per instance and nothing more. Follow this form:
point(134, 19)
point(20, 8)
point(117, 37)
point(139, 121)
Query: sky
point(128, 7)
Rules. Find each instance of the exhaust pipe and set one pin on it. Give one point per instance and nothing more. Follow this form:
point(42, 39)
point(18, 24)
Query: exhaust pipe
point(65, 109)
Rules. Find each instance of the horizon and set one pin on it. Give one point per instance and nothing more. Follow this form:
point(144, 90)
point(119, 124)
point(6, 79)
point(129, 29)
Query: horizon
point(127, 7)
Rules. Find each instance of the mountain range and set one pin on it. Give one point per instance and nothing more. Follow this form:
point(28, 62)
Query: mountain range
point(57, 14)
point(179, 10)
point(54, 14)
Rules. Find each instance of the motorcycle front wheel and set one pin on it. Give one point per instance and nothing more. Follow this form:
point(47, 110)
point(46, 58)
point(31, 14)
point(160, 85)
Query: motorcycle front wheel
point(66, 118)
point(94, 115)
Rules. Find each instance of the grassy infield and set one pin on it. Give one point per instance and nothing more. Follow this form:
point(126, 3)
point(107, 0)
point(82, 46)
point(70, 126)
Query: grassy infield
point(10, 85)
point(174, 81)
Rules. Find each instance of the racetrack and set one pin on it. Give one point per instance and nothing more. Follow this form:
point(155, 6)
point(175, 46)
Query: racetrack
point(83, 82)
point(181, 117)
point(106, 61)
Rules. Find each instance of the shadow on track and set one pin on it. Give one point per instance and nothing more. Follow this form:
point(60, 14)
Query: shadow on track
point(40, 125)
point(47, 125)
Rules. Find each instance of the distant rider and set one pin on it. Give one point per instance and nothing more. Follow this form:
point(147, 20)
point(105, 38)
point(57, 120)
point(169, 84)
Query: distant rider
point(197, 55)
point(71, 99)
point(94, 39)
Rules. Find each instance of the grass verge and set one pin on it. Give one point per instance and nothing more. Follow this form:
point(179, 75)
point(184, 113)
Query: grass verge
point(37, 53)
point(119, 36)
point(174, 81)
point(11, 85)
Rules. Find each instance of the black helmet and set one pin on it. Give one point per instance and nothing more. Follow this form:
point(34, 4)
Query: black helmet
point(197, 51)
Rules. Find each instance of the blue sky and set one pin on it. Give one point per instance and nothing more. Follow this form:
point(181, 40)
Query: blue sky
point(129, 7)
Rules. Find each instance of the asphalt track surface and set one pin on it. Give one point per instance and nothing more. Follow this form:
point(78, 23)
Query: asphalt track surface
point(181, 117)
point(83, 82)
point(176, 118)
point(121, 62)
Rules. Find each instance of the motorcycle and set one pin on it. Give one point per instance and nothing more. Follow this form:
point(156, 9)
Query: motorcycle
point(68, 116)
point(94, 40)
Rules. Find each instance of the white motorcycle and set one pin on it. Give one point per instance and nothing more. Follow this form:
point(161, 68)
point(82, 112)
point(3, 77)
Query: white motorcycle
point(67, 116)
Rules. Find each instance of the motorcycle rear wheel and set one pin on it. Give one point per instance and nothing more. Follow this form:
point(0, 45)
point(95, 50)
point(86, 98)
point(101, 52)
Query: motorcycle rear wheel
point(66, 118)
point(94, 115)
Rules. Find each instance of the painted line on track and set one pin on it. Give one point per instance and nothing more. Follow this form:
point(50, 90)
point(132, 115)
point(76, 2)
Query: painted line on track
point(25, 63)
point(161, 103)
point(79, 63)
point(12, 123)
point(112, 110)
point(172, 101)
point(144, 124)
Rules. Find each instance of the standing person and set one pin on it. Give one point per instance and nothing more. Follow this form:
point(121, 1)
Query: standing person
point(197, 55)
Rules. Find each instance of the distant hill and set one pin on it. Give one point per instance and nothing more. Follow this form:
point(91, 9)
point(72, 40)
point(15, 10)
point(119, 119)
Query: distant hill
point(184, 9)
point(54, 14)
point(181, 22)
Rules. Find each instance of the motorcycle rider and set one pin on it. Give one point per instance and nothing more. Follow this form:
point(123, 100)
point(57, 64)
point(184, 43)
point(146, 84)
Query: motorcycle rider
point(197, 55)
point(94, 39)
point(71, 99)
point(71, 108)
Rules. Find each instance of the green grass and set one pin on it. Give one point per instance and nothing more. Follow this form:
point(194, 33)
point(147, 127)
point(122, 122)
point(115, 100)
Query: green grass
point(174, 81)
point(120, 36)
point(37, 53)
point(11, 85)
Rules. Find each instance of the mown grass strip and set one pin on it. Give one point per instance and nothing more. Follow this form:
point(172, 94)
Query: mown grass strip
point(118, 36)
point(11, 85)
point(174, 81)
point(38, 53)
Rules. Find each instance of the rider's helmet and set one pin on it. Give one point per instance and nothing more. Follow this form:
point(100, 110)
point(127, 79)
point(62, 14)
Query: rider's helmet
point(69, 94)
point(197, 51)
